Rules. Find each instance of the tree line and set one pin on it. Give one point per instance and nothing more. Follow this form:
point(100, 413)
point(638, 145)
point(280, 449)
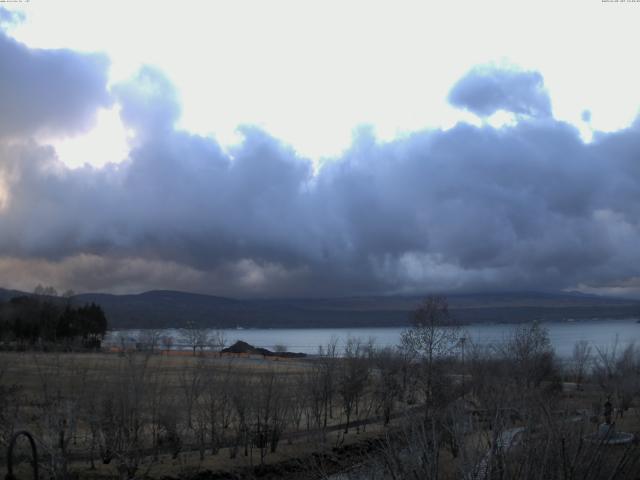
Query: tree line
point(47, 319)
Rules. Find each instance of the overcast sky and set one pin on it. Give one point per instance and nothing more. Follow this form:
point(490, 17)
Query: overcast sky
point(272, 148)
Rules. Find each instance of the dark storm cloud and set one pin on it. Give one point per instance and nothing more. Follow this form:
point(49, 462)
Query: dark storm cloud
point(530, 206)
point(48, 91)
point(485, 90)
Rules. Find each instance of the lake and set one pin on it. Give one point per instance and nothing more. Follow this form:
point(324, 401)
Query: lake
point(599, 333)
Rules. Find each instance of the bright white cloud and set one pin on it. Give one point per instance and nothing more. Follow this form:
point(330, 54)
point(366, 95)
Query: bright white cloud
point(105, 143)
point(309, 72)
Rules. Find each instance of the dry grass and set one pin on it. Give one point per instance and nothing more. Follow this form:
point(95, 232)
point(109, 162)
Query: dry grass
point(28, 369)
point(41, 376)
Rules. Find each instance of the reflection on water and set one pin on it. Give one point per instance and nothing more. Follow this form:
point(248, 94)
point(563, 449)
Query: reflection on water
point(602, 334)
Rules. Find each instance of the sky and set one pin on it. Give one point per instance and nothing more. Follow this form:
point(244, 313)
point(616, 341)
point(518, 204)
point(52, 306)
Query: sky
point(298, 148)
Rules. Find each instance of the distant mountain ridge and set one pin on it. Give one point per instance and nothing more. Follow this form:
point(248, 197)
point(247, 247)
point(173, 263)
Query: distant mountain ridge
point(167, 308)
point(8, 294)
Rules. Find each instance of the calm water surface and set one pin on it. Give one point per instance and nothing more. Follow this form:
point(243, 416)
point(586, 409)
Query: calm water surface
point(600, 333)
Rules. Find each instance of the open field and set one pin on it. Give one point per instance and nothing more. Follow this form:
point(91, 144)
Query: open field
point(370, 413)
point(72, 395)
point(29, 369)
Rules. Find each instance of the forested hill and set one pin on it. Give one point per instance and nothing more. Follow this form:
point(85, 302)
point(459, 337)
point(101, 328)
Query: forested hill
point(9, 294)
point(157, 309)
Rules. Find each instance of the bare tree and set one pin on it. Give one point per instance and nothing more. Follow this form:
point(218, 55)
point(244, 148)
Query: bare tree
point(159, 401)
point(217, 340)
point(240, 396)
point(618, 373)
point(299, 402)
point(218, 406)
point(170, 428)
point(580, 361)
point(327, 367)
point(628, 377)
point(529, 352)
point(315, 385)
point(195, 337)
point(59, 408)
point(413, 452)
point(191, 383)
point(167, 342)
point(354, 374)
point(387, 381)
point(123, 415)
point(433, 336)
point(150, 339)
point(10, 405)
point(268, 413)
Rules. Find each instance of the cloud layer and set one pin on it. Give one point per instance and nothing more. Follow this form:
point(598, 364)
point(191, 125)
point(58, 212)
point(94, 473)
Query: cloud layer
point(48, 91)
point(485, 90)
point(528, 206)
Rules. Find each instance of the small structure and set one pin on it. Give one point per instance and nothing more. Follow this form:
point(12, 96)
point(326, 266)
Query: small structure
point(607, 434)
point(241, 348)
